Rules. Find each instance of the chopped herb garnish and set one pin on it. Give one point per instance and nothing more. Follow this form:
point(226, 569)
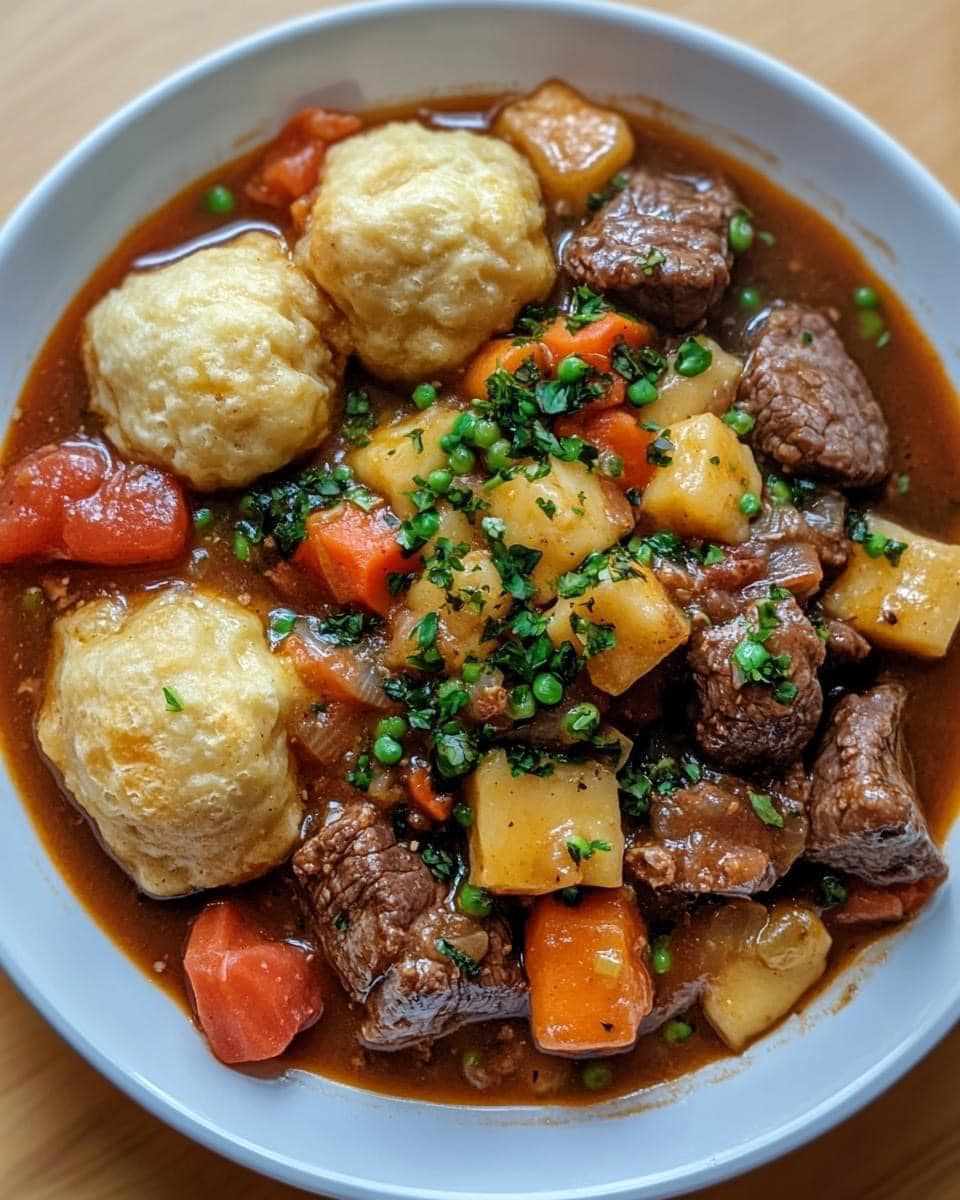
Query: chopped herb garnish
point(344, 628)
point(580, 849)
point(442, 864)
point(613, 186)
point(528, 760)
point(341, 922)
point(172, 700)
point(547, 507)
point(585, 308)
point(463, 962)
point(763, 806)
point(833, 891)
point(282, 510)
point(650, 261)
point(362, 775)
point(595, 636)
point(359, 419)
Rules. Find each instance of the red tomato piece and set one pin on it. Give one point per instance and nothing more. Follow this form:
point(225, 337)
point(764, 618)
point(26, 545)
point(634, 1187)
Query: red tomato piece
point(252, 996)
point(291, 167)
point(75, 500)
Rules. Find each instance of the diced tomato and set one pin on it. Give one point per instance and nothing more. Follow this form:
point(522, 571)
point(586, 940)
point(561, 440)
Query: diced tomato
point(291, 166)
point(252, 996)
point(75, 500)
point(354, 552)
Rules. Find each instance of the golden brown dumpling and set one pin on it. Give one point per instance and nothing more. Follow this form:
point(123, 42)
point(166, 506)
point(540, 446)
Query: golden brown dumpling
point(428, 242)
point(167, 722)
point(220, 366)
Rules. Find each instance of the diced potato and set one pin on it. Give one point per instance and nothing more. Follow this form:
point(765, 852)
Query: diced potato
point(583, 514)
point(521, 825)
point(388, 464)
point(647, 624)
point(698, 494)
point(574, 146)
point(913, 606)
point(713, 390)
point(475, 597)
point(755, 989)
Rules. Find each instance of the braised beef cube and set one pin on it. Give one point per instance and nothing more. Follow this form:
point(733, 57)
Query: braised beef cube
point(864, 814)
point(722, 835)
point(741, 721)
point(815, 413)
point(661, 243)
point(396, 940)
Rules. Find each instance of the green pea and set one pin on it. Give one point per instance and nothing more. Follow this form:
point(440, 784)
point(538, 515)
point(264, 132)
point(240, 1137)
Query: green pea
point(751, 656)
point(32, 599)
point(241, 546)
point(677, 1031)
point(740, 233)
point(571, 369)
point(497, 457)
point(462, 460)
point(219, 200)
point(739, 421)
point(471, 671)
point(387, 750)
point(547, 688)
point(463, 814)
point(424, 394)
point(470, 1059)
point(662, 959)
point(875, 544)
point(440, 481)
point(521, 704)
point(642, 392)
point(202, 519)
point(870, 324)
point(596, 1076)
point(464, 426)
point(582, 720)
point(486, 433)
point(474, 901)
point(750, 504)
point(612, 465)
point(866, 297)
point(391, 727)
point(692, 358)
point(449, 441)
point(779, 490)
point(749, 299)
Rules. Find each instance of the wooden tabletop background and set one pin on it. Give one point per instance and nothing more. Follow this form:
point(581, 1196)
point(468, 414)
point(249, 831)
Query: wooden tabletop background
point(64, 1131)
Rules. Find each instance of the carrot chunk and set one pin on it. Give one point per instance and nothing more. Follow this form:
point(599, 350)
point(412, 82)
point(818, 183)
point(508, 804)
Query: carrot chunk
point(599, 337)
point(614, 431)
point(252, 996)
point(74, 500)
point(291, 166)
point(354, 552)
point(436, 805)
point(501, 353)
point(589, 987)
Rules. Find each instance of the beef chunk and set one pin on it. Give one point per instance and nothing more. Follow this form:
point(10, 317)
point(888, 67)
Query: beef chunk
point(844, 644)
point(708, 838)
point(864, 813)
point(662, 244)
point(814, 409)
point(740, 723)
point(378, 913)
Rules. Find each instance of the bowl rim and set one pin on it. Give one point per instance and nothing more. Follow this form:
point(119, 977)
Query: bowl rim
point(742, 58)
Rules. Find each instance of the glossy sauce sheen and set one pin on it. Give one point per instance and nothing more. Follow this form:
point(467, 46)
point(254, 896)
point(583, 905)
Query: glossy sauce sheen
point(809, 262)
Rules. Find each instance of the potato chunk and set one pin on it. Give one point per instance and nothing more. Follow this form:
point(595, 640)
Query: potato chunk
point(475, 597)
point(913, 606)
point(566, 515)
point(574, 146)
point(396, 453)
point(521, 826)
point(682, 396)
point(756, 988)
point(646, 623)
point(698, 494)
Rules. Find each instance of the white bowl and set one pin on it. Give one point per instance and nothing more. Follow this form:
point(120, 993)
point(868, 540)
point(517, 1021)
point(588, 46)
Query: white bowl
point(305, 1130)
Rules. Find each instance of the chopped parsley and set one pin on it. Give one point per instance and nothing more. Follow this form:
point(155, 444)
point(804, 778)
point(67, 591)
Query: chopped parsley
point(653, 259)
point(341, 922)
point(753, 662)
point(343, 628)
point(529, 760)
point(596, 637)
point(875, 545)
point(428, 656)
point(172, 700)
point(833, 891)
point(359, 419)
point(362, 775)
point(282, 510)
point(613, 187)
point(585, 308)
point(763, 806)
point(580, 849)
point(445, 559)
point(442, 864)
point(463, 962)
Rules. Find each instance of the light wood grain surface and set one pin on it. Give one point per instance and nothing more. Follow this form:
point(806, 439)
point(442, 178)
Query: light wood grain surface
point(64, 1132)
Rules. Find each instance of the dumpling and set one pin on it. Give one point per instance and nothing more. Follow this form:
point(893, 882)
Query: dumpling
point(220, 366)
point(428, 242)
point(167, 720)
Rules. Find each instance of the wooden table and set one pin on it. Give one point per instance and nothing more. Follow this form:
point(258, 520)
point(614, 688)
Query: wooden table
point(64, 1131)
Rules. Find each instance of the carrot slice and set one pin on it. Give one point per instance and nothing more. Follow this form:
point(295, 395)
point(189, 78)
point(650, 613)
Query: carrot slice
point(436, 805)
point(867, 905)
point(354, 552)
point(599, 337)
point(75, 500)
point(291, 166)
point(252, 996)
point(589, 986)
point(501, 353)
point(614, 431)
